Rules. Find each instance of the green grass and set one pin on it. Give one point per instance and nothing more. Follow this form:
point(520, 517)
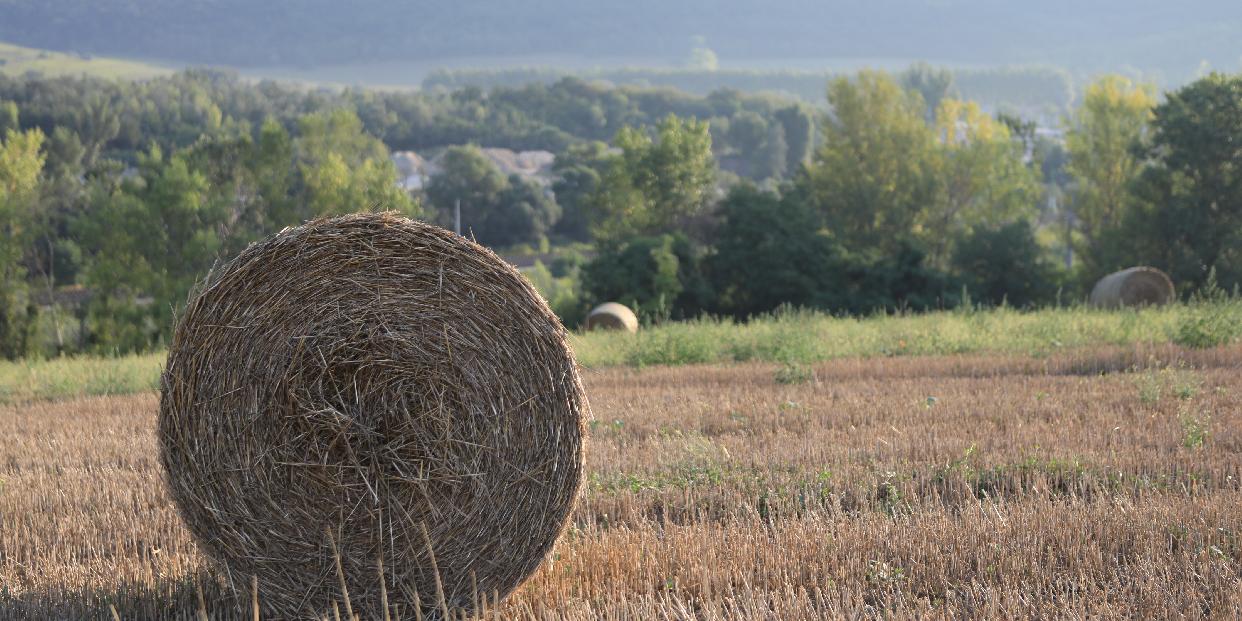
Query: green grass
point(60, 378)
point(793, 339)
point(16, 60)
point(806, 337)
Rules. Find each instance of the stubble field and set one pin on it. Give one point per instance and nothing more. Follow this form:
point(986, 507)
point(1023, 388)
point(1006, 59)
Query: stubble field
point(1088, 484)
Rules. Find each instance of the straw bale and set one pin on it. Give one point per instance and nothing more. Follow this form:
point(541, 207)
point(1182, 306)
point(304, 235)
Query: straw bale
point(381, 389)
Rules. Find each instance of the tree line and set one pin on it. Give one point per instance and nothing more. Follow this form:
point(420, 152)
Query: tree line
point(900, 197)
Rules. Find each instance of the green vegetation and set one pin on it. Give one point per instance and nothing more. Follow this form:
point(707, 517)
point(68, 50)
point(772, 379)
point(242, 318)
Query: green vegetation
point(1036, 91)
point(801, 337)
point(16, 60)
point(117, 197)
point(62, 378)
point(794, 339)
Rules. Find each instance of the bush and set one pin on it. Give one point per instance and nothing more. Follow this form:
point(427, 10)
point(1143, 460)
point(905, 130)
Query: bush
point(1212, 318)
point(769, 253)
point(1005, 264)
point(658, 277)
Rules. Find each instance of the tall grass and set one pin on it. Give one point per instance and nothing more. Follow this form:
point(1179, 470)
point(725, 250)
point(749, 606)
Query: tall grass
point(792, 337)
point(58, 378)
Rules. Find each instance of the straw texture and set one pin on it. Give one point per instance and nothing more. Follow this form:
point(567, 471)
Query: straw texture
point(369, 396)
point(612, 316)
point(1136, 286)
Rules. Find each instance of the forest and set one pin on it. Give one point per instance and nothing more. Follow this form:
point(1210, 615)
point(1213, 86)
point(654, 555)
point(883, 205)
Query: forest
point(890, 195)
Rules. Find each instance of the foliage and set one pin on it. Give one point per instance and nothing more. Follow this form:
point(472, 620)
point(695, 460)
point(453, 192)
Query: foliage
point(931, 83)
point(654, 185)
point(769, 252)
point(1191, 190)
point(658, 277)
point(578, 172)
point(495, 210)
point(563, 293)
point(873, 175)
point(981, 177)
point(1100, 140)
point(20, 165)
point(1005, 264)
point(1212, 318)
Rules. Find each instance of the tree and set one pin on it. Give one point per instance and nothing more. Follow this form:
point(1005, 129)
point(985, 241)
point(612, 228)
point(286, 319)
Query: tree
point(496, 210)
point(799, 133)
point(152, 239)
point(875, 173)
point(1190, 216)
point(983, 181)
point(654, 185)
point(577, 178)
point(747, 132)
point(524, 213)
point(1100, 138)
point(469, 179)
point(21, 163)
point(1005, 263)
point(932, 84)
point(771, 162)
point(770, 252)
point(344, 169)
point(658, 276)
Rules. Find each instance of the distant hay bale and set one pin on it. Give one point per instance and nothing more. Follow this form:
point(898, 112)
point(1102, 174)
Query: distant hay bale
point(612, 316)
point(389, 383)
point(1137, 286)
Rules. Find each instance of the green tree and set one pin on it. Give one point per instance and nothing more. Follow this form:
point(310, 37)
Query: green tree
point(799, 133)
point(653, 185)
point(578, 173)
point(875, 174)
point(770, 252)
point(9, 117)
point(1190, 219)
point(468, 178)
point(982, 179)
point(1005, 263)
point(344, 169)
point(931, 83)
point(1101, 135)
point(152, 239)
point(658, 276)
point(496, 210)
point(21, 163)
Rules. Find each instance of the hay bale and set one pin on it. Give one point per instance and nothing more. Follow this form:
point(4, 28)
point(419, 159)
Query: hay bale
point(612, 316)
point(1137, 286)
point(384, 381)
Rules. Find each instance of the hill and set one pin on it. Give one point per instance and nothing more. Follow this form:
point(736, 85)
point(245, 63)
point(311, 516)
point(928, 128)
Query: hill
point(1169, 39)
point(16, 60)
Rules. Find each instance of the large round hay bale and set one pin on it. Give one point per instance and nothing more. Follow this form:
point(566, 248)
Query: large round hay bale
point(1137, 286)
point(612, 316)
point(379, 387)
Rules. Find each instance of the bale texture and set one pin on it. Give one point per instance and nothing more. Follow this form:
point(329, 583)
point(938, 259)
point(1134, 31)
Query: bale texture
point(379, 387)
point(612, 316)
point(1136, 286)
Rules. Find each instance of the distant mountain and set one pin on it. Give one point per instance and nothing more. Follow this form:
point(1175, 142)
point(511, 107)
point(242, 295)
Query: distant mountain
point(1170, 38)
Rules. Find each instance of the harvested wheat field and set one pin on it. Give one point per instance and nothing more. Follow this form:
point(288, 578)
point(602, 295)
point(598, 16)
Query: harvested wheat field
point(1103, 484)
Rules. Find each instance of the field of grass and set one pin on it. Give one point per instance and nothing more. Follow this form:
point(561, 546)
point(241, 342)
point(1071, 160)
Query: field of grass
point(17, 60)
point(791, 338)
point(1080, 484)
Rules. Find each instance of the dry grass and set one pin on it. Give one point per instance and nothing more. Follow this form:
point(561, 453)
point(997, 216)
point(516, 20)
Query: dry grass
point(946, 487)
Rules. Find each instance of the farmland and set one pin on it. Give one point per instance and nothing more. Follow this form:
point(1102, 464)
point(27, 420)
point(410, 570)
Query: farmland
point(1094, 482)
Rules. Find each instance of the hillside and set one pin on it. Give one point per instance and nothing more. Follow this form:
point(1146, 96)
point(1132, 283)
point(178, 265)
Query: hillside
point(1168, 39)
point(16, 60)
